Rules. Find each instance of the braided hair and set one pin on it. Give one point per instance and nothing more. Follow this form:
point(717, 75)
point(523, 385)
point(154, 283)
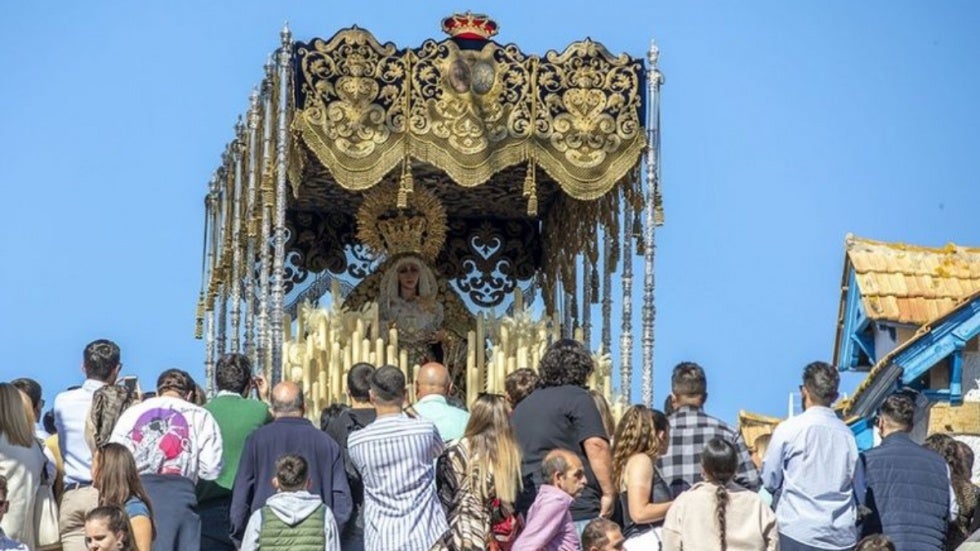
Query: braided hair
point(719, 462)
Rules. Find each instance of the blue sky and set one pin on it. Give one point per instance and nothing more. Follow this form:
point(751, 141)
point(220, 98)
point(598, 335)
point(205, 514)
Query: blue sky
point(785, 126)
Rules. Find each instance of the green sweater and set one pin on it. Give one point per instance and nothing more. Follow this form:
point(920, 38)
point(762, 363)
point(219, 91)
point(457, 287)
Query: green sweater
point(237, 418)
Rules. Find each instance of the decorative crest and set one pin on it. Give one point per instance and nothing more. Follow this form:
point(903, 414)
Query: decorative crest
point(419, 228)
point(470, 26)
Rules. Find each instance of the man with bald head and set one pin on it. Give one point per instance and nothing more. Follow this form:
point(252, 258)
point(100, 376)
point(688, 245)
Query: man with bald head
point(289, 433)
point(432, 386)
point(549, 520)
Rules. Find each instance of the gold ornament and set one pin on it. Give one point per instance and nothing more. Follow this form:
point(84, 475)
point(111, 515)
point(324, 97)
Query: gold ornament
point(386, 228)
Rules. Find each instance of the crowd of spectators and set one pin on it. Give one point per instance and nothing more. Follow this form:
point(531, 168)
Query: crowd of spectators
point(543, 466)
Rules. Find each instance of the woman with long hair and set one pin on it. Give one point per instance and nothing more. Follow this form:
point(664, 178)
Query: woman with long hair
point(115, 476)
point(716, 513)
point(107, 528)
point(479, 477)
point(21, 461)
point(644, 496)
point(959, 528)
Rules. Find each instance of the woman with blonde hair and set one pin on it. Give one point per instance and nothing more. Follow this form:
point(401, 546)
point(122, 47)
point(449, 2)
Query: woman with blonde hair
point(21, 461)
point(643, 494)
point(115, 476)
point(479, 477)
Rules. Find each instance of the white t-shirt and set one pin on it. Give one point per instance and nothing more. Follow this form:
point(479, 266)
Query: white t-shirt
point(171, 436)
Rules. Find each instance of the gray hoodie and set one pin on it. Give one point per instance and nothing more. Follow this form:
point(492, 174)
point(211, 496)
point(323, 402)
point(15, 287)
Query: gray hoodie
point(292, 508)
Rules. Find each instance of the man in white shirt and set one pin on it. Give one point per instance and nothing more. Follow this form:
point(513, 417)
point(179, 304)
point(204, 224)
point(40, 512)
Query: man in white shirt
point(175, 443)
point(100, 363)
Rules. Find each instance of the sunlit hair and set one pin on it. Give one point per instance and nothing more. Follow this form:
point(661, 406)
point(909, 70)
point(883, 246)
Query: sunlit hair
point(605, 412)
point(117, 522)
point(636, 434)
point(28, 407)
point(390, 288)
point(115, 476)
point(494, 452)
point(946, 446)
point(14, 417)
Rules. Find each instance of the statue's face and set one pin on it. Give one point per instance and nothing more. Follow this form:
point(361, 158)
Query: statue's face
point(408, 275)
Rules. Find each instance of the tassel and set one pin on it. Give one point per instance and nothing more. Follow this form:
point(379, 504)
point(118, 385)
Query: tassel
point(595, 285)
point(531, 189)
point(199, 322)
point(406, 186)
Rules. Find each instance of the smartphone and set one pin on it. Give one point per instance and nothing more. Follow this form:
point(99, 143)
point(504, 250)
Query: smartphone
point(131, 384)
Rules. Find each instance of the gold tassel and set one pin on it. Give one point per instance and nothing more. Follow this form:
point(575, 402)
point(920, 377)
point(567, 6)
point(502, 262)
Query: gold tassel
point(199, 322)
point(531, 189)
point(406, 186)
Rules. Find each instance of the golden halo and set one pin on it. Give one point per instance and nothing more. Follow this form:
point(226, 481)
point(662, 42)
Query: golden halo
point(420, 228)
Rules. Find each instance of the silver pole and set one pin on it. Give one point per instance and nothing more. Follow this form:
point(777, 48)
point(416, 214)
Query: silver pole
point(221, 302)
point(268, 197)
point(236, 250)
point(209, 328)
point(250, 213)
point(607, 292)
point(626, 329)
point(587, 301)
point(279, 236)
point(654, 79)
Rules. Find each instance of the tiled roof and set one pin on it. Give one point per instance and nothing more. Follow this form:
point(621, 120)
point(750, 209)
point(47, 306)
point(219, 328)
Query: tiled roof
point(910, 284)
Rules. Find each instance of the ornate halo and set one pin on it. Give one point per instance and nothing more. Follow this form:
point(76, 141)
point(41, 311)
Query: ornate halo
point(420, 228)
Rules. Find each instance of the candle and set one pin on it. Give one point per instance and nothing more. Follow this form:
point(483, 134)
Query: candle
point(393, 340)
point(480, 348)
point(355, 346)
point(375, 322)
point(379, 352)
point(403, 362)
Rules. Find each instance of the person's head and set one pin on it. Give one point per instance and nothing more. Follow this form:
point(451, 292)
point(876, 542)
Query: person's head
point(177, 383)
point(602, 534)
point(100, 360)
point(292, 474)
point(387, 387)
point(4, 504)
point(15, 416)
point(719, 461)
point(946, 446)
point(287, 400)
point(28, 408)
point(519, 384)
point(233, 373)
point(32, 389)
point(330, 413)
point(359, 382)
point(662, 425)
point(493, 446)
point(409, 276)
point(565, 362)
point(636, 434)
point(877, 542)
point(48, 421)
point(688, 385)
point(433, 378)
point(563, 470)
point(107, 528)
point(759, 447)
point(896, 414)
point(605, 412)
point(115, 476)
point(820, 382)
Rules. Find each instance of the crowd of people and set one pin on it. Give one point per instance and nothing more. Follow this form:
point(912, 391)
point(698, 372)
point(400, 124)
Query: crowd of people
point(544, 466)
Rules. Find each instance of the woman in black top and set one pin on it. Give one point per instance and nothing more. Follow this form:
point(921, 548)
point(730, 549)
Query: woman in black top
point(641, 437)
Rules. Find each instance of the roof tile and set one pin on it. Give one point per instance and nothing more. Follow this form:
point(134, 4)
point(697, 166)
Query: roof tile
point(911, 284)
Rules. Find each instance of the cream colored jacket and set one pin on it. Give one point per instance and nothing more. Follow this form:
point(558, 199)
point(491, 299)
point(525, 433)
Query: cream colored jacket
point(691, 524)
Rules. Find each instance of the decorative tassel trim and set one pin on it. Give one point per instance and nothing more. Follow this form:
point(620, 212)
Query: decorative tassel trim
point(406, 186)
point(531, 189)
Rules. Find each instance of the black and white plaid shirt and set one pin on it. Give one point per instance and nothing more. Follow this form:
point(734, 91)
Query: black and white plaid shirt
point(690, 430)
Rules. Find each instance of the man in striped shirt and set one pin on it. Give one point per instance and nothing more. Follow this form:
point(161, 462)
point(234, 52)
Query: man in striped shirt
point(396, 457)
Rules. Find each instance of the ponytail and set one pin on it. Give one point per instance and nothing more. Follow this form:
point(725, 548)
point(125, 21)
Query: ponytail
point(721, 502)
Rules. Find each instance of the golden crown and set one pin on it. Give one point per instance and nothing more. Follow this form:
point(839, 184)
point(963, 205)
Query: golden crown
point(419, 228)
point(472, 26)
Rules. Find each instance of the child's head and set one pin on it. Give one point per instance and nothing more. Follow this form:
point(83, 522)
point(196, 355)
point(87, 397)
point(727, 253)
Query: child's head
point(292, 474)
point(107, 528)
point(876, 542)
point(719, 461)
point(759, 448)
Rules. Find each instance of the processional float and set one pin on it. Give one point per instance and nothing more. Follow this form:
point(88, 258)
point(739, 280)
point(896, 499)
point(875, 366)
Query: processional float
point(461, 201)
